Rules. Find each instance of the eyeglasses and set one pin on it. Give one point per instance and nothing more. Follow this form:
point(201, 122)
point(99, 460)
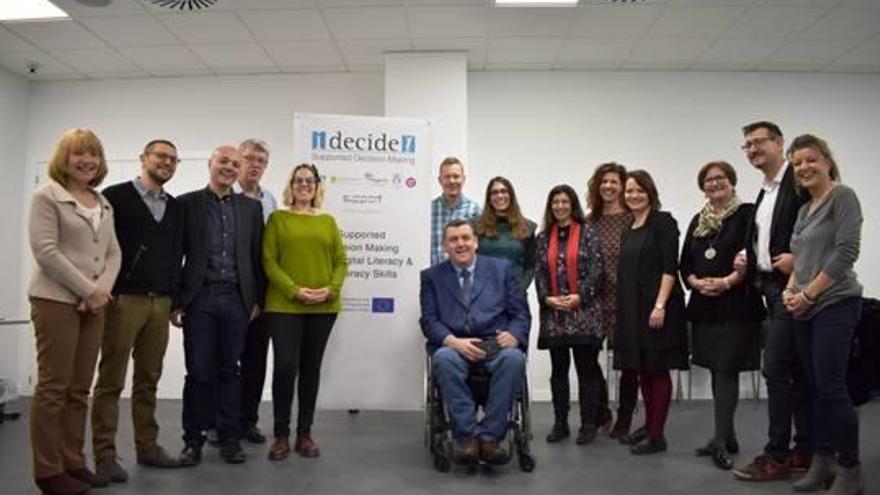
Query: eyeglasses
point(715, 179)
point(304, 181)
point(499, 192)
point(754, 143)
point(165, 157)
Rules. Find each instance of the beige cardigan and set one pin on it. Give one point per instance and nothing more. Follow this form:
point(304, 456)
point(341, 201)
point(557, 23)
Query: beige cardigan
point(72, 258)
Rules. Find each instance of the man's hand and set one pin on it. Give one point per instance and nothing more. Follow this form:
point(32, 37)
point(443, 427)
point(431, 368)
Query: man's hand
point(177, 318)
point(657, 318)
point(506, 339)
point(466, 348)
point(784, 263)
point(740, 262)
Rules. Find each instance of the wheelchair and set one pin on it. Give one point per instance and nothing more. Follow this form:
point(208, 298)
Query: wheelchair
point(438, 425)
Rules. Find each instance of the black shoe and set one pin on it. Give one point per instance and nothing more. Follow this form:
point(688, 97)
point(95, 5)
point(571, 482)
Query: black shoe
point(635, 437)
point(191, 455)
point(732, 446)
point(559, 432)
point(253, 434)
point(649, 446)
point(722, 459)
point(586, 434)
point(706, 450)
point(232, 453)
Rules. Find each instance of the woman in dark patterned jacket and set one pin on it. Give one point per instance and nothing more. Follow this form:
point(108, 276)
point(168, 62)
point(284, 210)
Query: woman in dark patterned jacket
point(568, 270)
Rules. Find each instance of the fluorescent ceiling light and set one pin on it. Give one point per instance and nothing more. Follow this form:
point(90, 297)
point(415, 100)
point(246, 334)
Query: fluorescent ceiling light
point(26, 10)
point(536, 3)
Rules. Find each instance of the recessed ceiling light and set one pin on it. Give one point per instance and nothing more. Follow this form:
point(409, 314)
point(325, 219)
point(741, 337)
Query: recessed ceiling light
point(536, 3)
point(28, 10)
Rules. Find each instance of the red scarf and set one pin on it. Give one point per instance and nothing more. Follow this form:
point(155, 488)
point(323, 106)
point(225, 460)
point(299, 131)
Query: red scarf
point(571, 256)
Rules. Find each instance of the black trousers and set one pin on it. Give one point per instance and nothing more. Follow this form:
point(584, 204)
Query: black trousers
point(253, 371)
point(298, 343)
point(589, 382)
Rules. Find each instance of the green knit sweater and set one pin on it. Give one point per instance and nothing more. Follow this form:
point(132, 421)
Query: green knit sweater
point(302, 251)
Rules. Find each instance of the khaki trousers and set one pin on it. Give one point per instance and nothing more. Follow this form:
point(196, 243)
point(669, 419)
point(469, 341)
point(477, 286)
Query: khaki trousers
point(137, 325)
point(67, 344)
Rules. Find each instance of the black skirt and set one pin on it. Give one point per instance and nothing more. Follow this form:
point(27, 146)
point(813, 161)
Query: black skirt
point(727, 345)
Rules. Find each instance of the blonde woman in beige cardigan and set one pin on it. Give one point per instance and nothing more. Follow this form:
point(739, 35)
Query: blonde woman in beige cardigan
point(77, 259)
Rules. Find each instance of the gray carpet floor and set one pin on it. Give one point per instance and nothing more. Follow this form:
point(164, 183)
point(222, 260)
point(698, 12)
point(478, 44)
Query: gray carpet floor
point(380, 452)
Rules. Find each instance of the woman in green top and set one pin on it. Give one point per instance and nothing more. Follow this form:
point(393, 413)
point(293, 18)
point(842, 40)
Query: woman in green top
point(504, 232)
point(305, 262)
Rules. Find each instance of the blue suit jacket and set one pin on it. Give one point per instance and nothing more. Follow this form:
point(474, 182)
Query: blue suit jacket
point(497, 303)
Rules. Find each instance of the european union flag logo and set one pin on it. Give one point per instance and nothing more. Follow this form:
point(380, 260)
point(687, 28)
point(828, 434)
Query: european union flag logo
point(383, 305)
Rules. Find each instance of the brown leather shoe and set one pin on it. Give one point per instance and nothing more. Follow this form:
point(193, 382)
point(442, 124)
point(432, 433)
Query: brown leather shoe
point(493, 453)
point(466, 451)
point(763, 468)
point(88, 477)
point(280, 449)
point(798, 462)
point(306, 447)
point(62, 484)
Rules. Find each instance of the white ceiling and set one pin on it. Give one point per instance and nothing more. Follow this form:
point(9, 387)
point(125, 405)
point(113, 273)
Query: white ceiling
point(133, 38)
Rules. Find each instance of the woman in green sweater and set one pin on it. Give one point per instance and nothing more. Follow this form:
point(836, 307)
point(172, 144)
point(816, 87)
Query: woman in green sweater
point(305, 262)
point(504, 232)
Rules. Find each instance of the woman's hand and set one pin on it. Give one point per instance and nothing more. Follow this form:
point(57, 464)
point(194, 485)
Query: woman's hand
point(97, 300)
point(658, 316)
point(555, 302)
point(796, 303)
point(572, 301)
point(307, 295)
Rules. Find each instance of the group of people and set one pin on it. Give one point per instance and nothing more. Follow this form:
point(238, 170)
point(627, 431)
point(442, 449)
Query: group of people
point(615, 276)
point(224, 262)
point(236, 271)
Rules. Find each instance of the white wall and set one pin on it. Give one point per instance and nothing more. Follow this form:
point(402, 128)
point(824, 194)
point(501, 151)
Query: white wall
point(14, 95)
point(544, 128)
point(537, 128)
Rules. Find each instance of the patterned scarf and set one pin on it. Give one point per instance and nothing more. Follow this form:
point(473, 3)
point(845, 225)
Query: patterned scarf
point(710, 222)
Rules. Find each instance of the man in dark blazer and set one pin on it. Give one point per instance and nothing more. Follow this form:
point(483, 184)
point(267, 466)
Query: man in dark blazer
point(221, 291)
point(767, 263)
point(474, 313)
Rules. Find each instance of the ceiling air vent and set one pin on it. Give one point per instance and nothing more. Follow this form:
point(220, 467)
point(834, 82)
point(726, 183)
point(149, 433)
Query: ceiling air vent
point(184, 4)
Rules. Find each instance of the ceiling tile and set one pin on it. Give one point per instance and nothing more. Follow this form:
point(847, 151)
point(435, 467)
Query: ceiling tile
point(476, 47)
point(704, 3)
point(845, 24)
point(523, 50)
point(781, 22)
point(375, 22)
point(118, 7)
point(358, 3)
point(286, 25)
point(17, 62)
point(740, 51)
point(695, 21)
point(225, 56)
point(614, 20)
point(861, 3)
point(817, 53)
point(130, 31)
point(448, 2)
point(370, 52)
point(594, 52)
point(530, 22)
point(247, 70)
point(448, 22)
point(800, 3)
point(9, 42)
point(251, 5)
point(164, 59)
point(501, 67)
point(95, 60)
point(866, 54)
point(56, 34)
point(668, 51)
point(313, 54)
point(219, 27)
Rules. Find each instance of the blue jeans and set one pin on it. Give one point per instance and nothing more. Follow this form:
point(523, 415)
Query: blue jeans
point(214, 331)
point(506, 370)
point(837, 425)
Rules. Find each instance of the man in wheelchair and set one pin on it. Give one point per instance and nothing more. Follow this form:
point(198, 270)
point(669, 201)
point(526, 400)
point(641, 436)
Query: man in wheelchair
point(474, 313)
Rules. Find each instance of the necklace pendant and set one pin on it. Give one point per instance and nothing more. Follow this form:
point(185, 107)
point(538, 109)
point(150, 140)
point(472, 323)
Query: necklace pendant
point(710, 253)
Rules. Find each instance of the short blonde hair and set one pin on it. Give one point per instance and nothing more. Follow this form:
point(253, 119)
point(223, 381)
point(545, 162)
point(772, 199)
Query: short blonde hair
point(77, 139)
point(318, 200)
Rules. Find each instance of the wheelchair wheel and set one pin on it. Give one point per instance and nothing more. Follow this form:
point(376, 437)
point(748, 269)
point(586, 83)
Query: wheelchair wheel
point(441, 463)
point(526, 462)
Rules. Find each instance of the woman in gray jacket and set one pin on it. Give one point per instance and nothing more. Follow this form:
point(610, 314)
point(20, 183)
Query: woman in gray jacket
point(824, 297)
point(73, 242)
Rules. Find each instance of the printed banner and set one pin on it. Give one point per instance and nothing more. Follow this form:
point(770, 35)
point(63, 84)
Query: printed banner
point(376, 173)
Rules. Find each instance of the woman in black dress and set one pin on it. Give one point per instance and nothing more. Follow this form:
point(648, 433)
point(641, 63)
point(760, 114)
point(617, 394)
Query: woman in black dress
point(651, 336)
point(567, 279)
point(726, 317)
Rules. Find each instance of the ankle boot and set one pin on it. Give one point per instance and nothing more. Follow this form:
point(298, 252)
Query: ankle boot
point(623, 423)
point(559, 432)
point(849, 481)
point(821, 472)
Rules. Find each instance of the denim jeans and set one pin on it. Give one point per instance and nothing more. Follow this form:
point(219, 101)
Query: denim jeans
point(786, 353)
point(836, 422)
point(451, 370)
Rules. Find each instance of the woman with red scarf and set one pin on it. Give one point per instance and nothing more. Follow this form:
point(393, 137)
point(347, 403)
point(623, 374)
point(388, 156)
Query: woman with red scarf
point(568, 270)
